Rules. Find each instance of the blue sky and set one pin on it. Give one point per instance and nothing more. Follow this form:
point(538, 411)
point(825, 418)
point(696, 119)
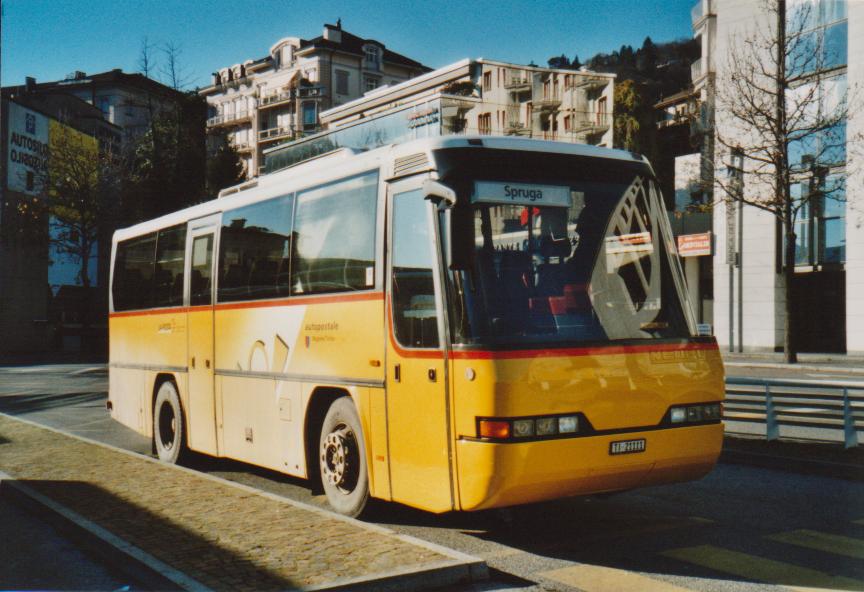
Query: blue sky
point(48, 39)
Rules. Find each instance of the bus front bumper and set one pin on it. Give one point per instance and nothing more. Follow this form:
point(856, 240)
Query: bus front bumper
point(495, 474)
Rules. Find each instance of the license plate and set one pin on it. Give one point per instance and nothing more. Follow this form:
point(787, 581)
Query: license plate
point(627, 446)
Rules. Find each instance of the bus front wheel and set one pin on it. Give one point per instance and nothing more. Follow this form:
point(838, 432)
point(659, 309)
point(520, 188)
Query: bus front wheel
point(342, 459)
point(168, 425)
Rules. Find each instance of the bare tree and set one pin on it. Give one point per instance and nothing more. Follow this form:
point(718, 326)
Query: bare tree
point(173, 72)
point(778, 97)
point(146, 61)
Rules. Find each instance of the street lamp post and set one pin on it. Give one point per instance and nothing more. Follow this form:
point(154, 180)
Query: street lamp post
point(734, 253)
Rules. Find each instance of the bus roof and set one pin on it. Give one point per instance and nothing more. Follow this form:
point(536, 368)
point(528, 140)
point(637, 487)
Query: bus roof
point(320, 169)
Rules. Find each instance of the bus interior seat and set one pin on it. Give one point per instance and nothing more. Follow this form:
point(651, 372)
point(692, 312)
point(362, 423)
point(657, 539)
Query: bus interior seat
point(198, 284)
point(233, 282)
point(515, 270)
point(177, 289)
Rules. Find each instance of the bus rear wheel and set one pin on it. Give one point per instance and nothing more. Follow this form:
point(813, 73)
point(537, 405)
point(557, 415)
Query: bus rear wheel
point(342, 459)
point(168, 433)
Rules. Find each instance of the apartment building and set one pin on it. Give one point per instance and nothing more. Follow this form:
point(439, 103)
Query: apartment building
point(828, 287)
point(467, 97)
point(499, 98)
point(128, 101)
point(261, 103)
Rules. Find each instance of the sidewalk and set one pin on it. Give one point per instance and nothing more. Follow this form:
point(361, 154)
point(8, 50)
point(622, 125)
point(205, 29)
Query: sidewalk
point(201, 532)
point(853, 364)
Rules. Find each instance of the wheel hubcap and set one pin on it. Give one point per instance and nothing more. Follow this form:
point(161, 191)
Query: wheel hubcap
point(339, 460)
point(167, 426)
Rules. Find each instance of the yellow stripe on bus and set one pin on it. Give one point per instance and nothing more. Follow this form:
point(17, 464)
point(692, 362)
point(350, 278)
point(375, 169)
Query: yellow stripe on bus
point(766, 570)
point(821, 541)
point(596, 578)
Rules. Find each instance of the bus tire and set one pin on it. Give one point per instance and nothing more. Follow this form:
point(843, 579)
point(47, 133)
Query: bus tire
point(169, 436)
point(342, 459)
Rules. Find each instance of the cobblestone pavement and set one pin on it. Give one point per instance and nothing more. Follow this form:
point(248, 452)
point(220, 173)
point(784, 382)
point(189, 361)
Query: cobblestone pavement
point(223, 536)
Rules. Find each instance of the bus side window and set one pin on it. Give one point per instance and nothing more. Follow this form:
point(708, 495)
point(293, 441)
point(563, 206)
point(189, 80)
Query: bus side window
point(170, 255)
point(254, 250)
point(415, 317)
point(200, 283)
point(335, 232)
point(133, 273)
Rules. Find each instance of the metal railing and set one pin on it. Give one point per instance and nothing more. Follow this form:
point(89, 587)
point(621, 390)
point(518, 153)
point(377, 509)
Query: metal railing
point(274, 99)
point(229, 118)
point(797, 403)
point(274, 133)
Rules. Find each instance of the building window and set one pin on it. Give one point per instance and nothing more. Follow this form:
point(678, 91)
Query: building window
point(342, 77)
point(484, 123)
point(372, 55)
point(819, 34)
point(602, 107)
point(487, 81)
point(310, 116)
point(820, 230)
point(369, 83)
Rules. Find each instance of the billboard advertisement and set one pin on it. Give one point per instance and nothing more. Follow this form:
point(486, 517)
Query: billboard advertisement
point(28, 149)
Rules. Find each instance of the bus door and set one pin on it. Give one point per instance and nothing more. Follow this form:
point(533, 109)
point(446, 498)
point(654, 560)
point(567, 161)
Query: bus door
point(417, 390)
point(201, 414)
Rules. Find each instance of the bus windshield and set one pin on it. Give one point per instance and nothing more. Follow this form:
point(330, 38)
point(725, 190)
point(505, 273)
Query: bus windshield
point(566, 249)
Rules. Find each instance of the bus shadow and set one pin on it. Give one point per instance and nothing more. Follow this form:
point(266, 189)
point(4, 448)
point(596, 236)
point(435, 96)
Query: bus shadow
point(197, 555)
point(622, 534)
point(19, 404)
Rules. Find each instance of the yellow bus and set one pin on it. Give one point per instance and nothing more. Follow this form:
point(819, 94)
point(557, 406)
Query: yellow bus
point(453, 323)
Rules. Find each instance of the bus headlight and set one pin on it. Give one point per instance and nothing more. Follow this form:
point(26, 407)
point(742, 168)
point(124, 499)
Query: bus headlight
point(546, 426)
point(533, 428)
point(523, 428)
point(569, 424)
point(695, 413)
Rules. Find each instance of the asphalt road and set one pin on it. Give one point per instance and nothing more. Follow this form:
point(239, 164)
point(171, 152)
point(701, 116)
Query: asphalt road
point(740, 528)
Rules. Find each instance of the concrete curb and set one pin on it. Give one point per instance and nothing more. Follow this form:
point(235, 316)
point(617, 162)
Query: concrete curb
point(461, 568)
point(139, 565)
point(102, 370)
point(780, 455)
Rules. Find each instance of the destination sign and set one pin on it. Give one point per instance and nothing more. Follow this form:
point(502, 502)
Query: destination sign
point(522, 194)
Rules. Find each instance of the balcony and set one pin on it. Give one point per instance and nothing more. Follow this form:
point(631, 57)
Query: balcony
point(698, 13)
point(242, 147)
point(275, 133)
point(590, 82)
point(518, 82)
point(591, 123)
point(311, 92)
point(547, 103)
point(673, 119)
point(233, 82)
point(696, 70)
point(274, 100)
point(228, 119)
point(517, 128)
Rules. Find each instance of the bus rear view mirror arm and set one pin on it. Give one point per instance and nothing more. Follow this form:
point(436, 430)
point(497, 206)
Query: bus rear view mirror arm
point(435, 191)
